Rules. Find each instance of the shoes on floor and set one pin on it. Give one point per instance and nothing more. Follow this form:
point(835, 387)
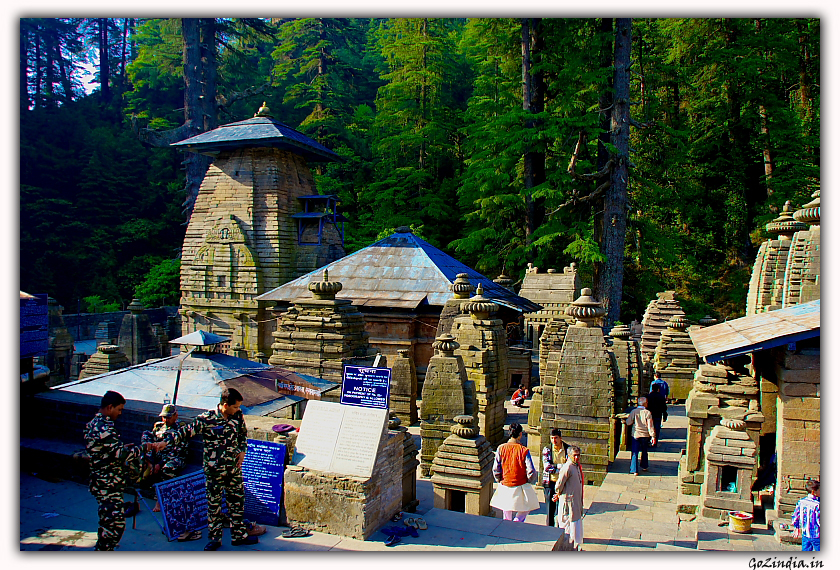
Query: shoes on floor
point(248, 540)
point(213, 545)
point(392, 540)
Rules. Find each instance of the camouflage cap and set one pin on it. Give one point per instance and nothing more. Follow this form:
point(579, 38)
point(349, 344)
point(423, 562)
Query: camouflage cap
point(168, 411)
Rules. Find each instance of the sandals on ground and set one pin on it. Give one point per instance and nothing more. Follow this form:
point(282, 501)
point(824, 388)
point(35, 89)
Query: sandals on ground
point(190, 535)
point(296, 532)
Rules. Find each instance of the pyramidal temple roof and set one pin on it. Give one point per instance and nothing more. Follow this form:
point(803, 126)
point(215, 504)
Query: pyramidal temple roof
point(262, 130)
point(400, 271)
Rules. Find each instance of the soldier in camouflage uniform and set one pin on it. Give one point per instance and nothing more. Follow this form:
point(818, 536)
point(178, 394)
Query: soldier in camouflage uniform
point(111, 467)
point(169, 462)
point(224, 434)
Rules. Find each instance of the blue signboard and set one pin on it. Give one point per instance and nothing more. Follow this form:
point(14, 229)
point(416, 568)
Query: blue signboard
point(263, 469)
point(366, 387)
point(34, 326)
point(183, 504)
point(183, 500)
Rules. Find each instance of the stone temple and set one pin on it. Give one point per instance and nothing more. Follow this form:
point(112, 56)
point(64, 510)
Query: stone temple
point(257, 223)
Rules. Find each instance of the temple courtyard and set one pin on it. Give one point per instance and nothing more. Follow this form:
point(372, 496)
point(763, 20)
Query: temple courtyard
point(625, 513)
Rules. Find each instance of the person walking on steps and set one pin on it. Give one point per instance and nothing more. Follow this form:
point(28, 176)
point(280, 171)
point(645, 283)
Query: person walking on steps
point(514, 470)
point(663, 385)
point(112, 464)
point(644, 434)
point(553, 457)
point(225, 435)
point(569, 497)
point(658, 409)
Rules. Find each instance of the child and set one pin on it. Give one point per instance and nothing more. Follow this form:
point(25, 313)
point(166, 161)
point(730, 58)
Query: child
point(806, 518)
point(519, 396)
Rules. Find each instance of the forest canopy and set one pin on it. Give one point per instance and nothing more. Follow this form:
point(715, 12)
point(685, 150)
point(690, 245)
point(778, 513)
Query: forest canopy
point(502, 141)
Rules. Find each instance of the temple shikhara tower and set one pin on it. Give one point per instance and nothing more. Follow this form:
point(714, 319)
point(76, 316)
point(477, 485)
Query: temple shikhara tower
point(258, 222)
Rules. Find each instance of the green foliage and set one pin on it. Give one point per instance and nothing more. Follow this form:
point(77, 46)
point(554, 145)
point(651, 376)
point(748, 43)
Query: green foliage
point(427, 115)
point(161, 285)
point(95, 304)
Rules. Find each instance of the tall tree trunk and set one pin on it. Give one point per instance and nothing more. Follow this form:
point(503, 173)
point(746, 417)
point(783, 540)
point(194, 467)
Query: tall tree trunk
point(805, 106)
point(24, 67)
point(605, 102)
point(104, 61)
point(38, 77)
point(615, 200)
point(66, 86)
point(49, 67)
point(532, 102)
point(194, 108)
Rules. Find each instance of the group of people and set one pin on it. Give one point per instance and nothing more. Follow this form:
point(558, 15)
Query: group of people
point(114, 465)
point(562, 481)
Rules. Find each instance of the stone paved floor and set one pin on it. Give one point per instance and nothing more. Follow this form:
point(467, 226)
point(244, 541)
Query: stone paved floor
point(639, 512)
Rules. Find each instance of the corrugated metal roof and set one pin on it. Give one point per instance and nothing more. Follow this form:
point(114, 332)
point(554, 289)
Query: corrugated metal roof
point(258, 132)
point(400, 271)
point(757, 332)
point(203, 377)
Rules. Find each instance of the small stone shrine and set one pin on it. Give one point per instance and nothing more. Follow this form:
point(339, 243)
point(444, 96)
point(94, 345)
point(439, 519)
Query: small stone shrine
point(719, 392)
point(403, 396)
point(107, 358)
point(730, 466)
point(462, 470)
point(802, 272)
point(163, 340)
point(578, 393)
point(505, 281)
point(554, 291)
point(318, 335)
point(462, 290)
point(676, 358)
point(447, 393)
point(409, 466)
point(628, 362)
point(659, 311)
point(765, 292)
point(107, 332)
point(60, 347)
point(137, 339)
point(243, 238)
point(483, 347)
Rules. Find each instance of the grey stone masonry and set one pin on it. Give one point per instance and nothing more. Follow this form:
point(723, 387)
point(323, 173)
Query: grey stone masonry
point(676, 358)
point(578, 389)
point(802, 271)
point(462, 290)
point(483, 347)
point(343, 505)
point(554, 291)
point(463, 468)
point(404, 388)
point(766, 283)
point(409, 465)
point(730, 465)
point(659, 311)
point(447, 392)
point(317, 336)
point(138, 340)
point(241, 241)
point(60, 347)
point(107, 358)
point(628, 362)
point(552, 340)
point(718, 393)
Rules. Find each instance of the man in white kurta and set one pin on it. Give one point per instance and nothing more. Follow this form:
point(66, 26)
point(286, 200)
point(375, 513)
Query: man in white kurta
point(569, 489)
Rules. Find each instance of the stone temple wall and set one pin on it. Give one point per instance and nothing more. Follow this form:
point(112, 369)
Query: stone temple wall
point(241, 242)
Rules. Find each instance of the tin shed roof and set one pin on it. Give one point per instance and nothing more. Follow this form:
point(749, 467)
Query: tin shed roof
point(258, 132)
point(203, 377)
point(400, 271)
point(757, 332)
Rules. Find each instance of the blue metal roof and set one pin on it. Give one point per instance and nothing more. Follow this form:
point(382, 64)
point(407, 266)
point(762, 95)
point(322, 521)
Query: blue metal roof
point(757, 332)
point(399, 271)
point(258, 132)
